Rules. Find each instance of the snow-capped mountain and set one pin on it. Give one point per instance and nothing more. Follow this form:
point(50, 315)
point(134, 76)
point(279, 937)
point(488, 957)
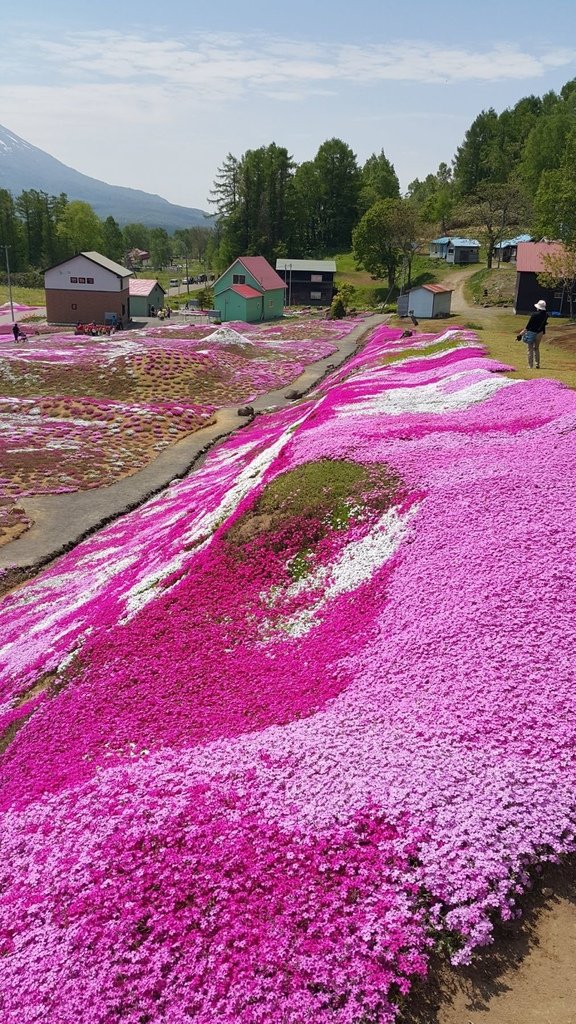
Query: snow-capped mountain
point(23, 166)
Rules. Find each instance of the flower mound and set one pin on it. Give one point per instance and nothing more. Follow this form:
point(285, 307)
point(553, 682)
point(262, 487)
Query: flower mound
point(301, 715)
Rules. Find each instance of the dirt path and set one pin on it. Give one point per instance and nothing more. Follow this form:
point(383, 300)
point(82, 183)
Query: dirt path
point(457, 280)
point(526, 977)
point(460, 304)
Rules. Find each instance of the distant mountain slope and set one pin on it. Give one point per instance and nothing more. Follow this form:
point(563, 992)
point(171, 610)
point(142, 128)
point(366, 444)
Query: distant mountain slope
point(23, 166)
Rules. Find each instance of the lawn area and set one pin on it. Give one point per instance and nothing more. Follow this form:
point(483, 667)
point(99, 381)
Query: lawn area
point(497, 330)
point(371, 292)
point(24, 296)
point(557, 351)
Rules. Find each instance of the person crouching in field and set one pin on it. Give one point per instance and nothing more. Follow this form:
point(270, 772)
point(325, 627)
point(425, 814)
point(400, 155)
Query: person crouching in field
point(534, 332)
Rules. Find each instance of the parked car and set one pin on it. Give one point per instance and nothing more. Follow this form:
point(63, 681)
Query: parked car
point(173, 282)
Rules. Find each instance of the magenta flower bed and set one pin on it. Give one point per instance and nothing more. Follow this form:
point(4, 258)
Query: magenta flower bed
point(263, 758)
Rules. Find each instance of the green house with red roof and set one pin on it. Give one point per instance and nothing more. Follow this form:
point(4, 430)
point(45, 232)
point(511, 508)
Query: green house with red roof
point(250, 290)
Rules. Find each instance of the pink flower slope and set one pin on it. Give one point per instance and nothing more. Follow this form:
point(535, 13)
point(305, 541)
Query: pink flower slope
point(245, 796)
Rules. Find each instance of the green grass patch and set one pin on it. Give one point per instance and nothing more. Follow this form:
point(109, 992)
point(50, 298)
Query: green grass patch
point(301, 565)
point(302, 506)
point(24, 296)
point(433, 349)
point(324, 488)
point(495, 287)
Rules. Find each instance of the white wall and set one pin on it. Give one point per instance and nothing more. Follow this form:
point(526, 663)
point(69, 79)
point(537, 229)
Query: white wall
point(421, 301)
point(80, 266)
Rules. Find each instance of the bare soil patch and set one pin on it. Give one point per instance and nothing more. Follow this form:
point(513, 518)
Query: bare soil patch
point(527, 976)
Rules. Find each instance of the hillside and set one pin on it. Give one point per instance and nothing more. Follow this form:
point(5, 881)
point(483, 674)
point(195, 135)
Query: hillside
point(249, 772)
point(23, 166)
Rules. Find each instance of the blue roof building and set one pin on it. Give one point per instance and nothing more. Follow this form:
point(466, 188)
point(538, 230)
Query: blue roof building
point(507, 249)
point(455, 250)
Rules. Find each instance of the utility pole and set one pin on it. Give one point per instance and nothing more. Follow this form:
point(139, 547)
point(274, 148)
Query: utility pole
point(9, 283)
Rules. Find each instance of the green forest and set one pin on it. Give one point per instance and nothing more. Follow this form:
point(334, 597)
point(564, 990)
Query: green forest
point(514, 171)
point(40, 230)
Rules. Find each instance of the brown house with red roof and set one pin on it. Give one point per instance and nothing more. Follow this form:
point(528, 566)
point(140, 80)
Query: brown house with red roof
point(249, 290)
point(87, 287)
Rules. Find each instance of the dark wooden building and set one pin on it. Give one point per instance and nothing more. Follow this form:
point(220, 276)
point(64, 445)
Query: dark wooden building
point(529, 263)
point(307, 282)
point(507, 250)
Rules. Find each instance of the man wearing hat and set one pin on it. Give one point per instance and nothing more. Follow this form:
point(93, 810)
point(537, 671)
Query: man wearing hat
point(534, 332)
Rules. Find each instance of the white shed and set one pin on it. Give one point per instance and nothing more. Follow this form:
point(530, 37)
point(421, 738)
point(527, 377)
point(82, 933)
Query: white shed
point(429, 301)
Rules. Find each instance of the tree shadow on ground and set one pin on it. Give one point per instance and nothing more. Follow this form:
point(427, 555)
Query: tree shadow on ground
point(425, 277)
point(485, 977)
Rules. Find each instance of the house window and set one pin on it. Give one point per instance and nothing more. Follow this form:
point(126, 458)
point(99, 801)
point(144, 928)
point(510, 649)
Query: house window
point(81, 280)
point(238, 278)
point(315, 295)
point(89, 280)
point(316, 278)
point(73, 280)
point(557, 295)
point(73, 306)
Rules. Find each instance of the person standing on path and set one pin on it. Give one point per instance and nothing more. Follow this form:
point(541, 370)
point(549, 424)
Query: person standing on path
point(534, 332)
point(16, 331)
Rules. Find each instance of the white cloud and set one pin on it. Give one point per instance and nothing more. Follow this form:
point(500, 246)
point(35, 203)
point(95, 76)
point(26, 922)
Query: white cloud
point(219, 66)
point(111, 104)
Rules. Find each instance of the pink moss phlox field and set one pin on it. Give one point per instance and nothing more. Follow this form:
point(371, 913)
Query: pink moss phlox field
point(82, 411)
point(220, 914)
point(262, 756)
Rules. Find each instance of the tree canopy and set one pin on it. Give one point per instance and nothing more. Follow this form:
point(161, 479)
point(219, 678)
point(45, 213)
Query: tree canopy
point(268, 206)
point(386, 236)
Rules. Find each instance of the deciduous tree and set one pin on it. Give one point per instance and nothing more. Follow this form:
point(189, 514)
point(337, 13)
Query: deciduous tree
point(79, 228)
point(112, 241)
point(378, 180)
point(160, 248)
point(433, 198)
point(386, 236)
point(559, 270)
point(498, 208)
point(555, 203)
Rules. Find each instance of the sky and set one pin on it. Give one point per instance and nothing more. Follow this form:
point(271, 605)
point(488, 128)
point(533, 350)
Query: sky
point(154, 95)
